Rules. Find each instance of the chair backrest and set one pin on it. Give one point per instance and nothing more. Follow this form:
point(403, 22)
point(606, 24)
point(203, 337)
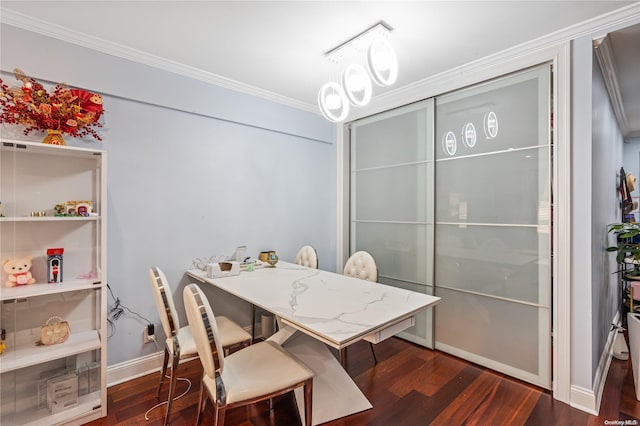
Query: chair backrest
point(307, 256)
point(164, 301)
point(204, 329)
point(361, 265)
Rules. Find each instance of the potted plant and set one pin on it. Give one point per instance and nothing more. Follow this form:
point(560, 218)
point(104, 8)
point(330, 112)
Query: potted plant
point(628, 247)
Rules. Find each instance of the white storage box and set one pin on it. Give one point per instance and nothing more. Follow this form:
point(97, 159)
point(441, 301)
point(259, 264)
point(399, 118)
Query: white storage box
point(223, 269)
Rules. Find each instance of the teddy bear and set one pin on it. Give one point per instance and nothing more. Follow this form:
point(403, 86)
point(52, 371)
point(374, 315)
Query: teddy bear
point(18, 271)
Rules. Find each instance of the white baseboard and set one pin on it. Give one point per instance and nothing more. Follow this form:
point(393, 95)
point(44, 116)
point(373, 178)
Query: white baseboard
point(589, 400)
point(134, 368)
point(583, 399)
point(144, 365)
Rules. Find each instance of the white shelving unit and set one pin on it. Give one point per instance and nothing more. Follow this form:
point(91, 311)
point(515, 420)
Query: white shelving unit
point(33, 178)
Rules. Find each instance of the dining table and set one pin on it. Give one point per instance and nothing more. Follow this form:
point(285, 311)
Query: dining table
point(318, 309)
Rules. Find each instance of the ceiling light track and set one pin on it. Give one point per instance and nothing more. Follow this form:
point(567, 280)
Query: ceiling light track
point(377, 28)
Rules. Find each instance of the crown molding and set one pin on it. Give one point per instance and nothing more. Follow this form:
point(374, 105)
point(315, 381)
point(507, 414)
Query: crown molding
point(607, 61)
point(471, 72)
point(39, 26)
point(379, 103)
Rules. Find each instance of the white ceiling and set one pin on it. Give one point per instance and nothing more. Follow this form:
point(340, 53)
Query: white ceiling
point(277, 47)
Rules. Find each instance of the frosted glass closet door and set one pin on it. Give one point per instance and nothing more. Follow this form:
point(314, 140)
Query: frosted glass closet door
point(392, 201)
point(492, 231)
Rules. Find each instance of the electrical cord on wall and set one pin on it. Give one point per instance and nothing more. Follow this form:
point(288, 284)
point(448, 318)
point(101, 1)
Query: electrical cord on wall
point(146, 415)
point(116, 311)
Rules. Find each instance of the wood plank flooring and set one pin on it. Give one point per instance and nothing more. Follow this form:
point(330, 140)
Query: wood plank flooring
point(409, 386)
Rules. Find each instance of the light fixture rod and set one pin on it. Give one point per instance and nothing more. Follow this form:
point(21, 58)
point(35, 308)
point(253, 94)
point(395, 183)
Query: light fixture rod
point(382, 25)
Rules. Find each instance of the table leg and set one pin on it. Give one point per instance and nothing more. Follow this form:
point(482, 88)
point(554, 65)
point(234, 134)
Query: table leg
point(253, 322)
point(335, 394)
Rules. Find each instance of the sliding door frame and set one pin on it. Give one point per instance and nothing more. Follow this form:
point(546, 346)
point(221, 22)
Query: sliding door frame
point(489, 68)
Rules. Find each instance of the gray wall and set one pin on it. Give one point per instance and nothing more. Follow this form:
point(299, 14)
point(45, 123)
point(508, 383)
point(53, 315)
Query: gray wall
point(581, 210)
point(193, 171)
point(596, 159)
point(607, 160)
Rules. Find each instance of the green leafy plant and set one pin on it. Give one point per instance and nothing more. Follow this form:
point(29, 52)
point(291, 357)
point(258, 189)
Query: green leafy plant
point(627, 251)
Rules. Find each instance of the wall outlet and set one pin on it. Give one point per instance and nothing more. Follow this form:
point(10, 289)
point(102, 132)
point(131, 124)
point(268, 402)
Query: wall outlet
point(149, 334)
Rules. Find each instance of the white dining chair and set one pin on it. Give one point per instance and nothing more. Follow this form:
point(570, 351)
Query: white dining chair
point(307, 256)
point(179, 344)
point(257, 373)
point(361, 265)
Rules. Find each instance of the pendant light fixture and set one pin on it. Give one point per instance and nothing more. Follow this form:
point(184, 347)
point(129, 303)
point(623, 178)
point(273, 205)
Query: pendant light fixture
point(383, 63)
point(355, 86)
point(333, 102)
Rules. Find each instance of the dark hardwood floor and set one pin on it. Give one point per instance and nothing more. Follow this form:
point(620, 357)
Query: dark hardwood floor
point(409, 385)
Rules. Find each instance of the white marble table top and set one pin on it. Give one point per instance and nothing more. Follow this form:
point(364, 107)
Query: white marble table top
point(336, 309)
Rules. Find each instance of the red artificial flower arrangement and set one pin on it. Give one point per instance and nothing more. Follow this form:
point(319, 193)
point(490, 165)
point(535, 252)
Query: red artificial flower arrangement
point(73, 112)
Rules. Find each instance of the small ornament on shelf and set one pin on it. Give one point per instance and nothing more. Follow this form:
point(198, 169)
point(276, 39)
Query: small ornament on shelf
point(59, 210)
point(54, 331)
point(74, 208)
point(18, 271)
point(70, 208)
point(84, 208)
point(54, 265)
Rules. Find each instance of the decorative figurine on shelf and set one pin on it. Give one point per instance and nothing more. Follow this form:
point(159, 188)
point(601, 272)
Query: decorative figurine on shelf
point(54, 265)
point(59, 209)
point(84, 208)
point(70, 208)
point(19, 271)
point(1, 215)
point(74, 208)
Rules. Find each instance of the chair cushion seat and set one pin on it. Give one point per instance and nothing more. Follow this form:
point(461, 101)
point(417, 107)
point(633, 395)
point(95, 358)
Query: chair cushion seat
point(230, 332)
point(187, 343)
point(259, 370)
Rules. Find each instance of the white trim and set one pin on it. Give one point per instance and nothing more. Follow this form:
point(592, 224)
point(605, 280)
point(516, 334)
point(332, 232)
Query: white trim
point(583, 399)
point(49, 29)
point(134, 368)
point(561, 288)
point(604, 54)
point(342, 195)
point(590, 400)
